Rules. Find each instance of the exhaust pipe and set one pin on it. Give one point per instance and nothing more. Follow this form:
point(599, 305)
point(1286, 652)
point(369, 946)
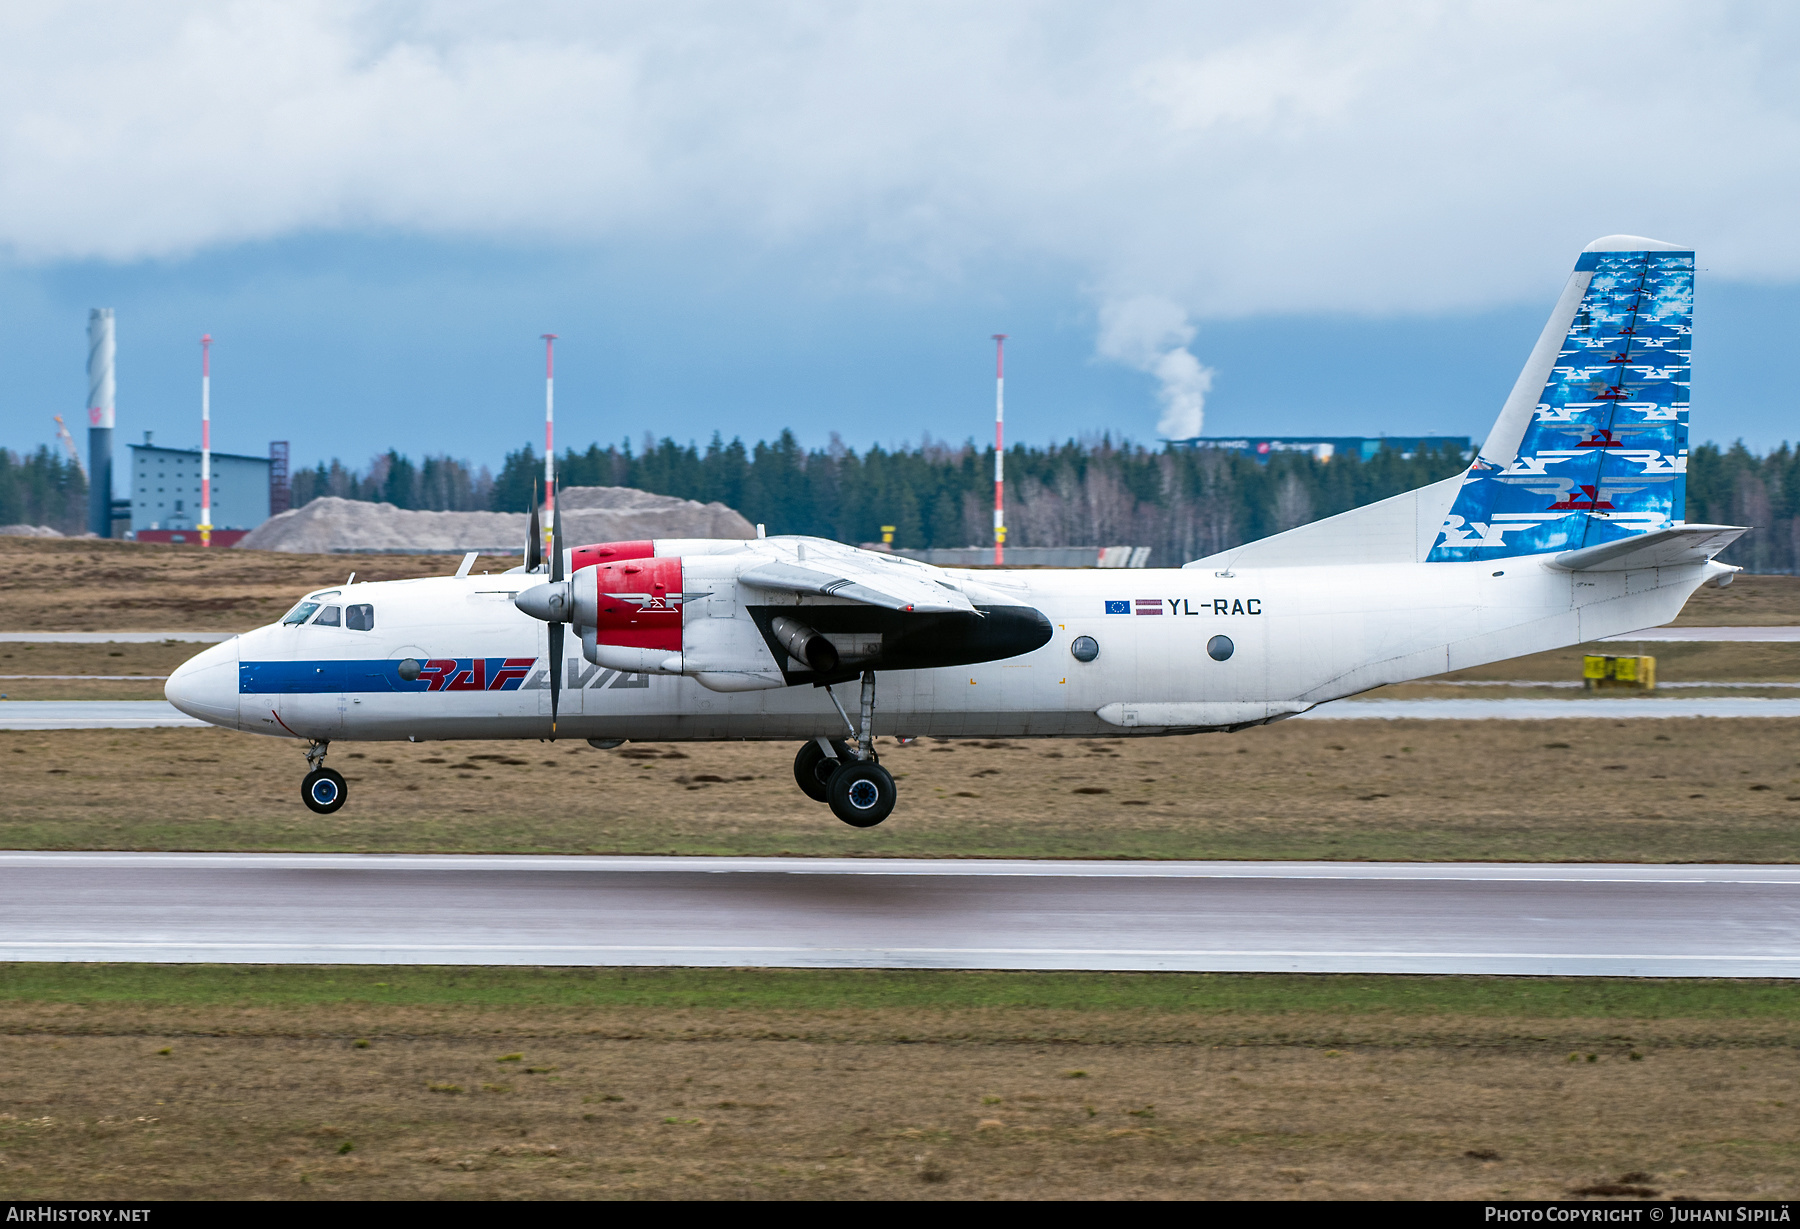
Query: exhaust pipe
point(805, 644)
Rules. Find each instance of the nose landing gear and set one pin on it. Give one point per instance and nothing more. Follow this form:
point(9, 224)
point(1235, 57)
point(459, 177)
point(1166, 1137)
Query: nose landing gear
point(323, 790)
point(848, 778)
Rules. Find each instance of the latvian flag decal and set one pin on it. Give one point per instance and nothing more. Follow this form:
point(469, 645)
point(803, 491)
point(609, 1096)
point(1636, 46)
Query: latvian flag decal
point(1149, 605)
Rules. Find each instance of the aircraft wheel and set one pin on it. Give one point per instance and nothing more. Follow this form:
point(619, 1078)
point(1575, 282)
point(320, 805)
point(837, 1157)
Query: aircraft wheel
point(324, 790)
point(862, 795)
point(813, 768)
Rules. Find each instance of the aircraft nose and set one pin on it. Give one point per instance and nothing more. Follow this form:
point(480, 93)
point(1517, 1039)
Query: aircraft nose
point(206, 685)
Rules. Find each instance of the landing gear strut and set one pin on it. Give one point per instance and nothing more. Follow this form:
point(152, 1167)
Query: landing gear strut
point(322, 789)
point(847, 777)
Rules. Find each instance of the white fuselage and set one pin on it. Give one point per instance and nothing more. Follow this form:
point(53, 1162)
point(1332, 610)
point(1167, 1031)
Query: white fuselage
point(1299, 636)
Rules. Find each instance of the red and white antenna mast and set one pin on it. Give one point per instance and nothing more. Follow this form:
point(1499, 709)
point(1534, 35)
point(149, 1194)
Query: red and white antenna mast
point(549, 439)
point(999, 449)
point(205, 525)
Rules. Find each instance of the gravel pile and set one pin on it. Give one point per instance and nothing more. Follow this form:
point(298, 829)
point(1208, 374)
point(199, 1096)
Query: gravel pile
point(589, 514)
point(28, 531)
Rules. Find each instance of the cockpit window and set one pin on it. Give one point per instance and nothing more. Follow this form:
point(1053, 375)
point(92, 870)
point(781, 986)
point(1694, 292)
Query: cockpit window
point(359, 618)
point(300, 613)
point(328, 617)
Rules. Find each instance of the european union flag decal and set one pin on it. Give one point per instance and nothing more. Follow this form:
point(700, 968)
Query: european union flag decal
point(1118, 608)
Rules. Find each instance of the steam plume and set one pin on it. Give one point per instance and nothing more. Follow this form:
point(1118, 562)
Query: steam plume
point(1152, 334)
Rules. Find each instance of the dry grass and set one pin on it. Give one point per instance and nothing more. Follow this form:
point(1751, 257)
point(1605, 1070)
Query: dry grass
point(264, 1100)
point(128, 586)
point(1749, 601)
point(1667, 790)
point(147, 587)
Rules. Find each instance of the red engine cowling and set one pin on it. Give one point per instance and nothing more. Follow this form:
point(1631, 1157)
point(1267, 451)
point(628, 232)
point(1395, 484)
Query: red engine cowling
point(626, 617)
point(651, 621)
point(609, 552)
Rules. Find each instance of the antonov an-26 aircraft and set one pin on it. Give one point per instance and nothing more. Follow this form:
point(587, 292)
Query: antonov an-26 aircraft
point(1566, 527)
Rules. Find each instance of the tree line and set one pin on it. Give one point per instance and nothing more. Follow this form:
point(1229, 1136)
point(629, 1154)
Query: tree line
point(42, 488)
point(1734, 486)
point(437, 484)
point(1182, 503)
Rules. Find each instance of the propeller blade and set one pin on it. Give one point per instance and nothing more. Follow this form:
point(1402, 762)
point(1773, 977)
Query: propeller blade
point(556, 548)
point(556, 670)
point(534, 536)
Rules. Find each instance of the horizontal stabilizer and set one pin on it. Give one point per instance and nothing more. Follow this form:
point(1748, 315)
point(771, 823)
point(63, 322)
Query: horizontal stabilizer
point(1661, 548)
point(859, 584)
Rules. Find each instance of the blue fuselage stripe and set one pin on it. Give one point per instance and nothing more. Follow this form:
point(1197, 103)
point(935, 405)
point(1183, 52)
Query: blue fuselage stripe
point(380, 674)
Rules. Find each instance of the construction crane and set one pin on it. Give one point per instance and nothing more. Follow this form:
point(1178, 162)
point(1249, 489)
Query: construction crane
point(68, 442)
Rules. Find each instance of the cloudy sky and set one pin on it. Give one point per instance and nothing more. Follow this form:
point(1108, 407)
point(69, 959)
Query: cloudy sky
point(740, 217)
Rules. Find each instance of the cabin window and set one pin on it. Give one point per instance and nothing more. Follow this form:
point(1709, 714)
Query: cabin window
point(328, 617)
point(359, 618)
point(300, 614)
point(1220, 647)
point(1085, 648)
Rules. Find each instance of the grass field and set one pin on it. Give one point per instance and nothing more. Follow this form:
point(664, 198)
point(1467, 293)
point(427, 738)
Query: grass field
point(251, 1082)
point(175, 588)
point(1582, 790)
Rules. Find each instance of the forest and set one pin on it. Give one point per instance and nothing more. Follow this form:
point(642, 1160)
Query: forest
point(1182, 503)
point(42, 488)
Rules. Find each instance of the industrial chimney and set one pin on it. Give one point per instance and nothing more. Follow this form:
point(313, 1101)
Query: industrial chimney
point(100, 420)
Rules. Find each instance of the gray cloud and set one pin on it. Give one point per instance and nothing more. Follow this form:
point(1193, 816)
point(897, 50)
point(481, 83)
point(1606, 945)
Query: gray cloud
point(1370, 157)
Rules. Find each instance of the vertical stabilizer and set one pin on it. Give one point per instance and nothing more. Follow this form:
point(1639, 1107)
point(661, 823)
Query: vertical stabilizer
point(1592, 445)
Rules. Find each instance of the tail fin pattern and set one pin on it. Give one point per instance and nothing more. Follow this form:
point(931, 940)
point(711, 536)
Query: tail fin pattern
point(1605, 454)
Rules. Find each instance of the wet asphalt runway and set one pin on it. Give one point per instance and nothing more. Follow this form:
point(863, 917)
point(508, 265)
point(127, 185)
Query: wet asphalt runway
point(1623, 920)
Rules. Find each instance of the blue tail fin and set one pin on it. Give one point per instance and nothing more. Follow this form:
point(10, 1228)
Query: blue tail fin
point(1592, 446)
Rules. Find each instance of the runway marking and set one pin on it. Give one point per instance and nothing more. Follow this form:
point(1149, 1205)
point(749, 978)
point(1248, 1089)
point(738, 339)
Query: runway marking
point(115, 637)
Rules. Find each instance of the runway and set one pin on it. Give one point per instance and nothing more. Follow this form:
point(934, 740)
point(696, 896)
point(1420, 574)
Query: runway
point(151, 714)
point(1621, 920)
point(114, 637)
point(1737, 635)
point(92, 715)
point(1552, 710)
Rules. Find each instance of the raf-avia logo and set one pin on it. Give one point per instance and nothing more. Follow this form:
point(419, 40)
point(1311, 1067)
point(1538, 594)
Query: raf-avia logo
point(1185, 606)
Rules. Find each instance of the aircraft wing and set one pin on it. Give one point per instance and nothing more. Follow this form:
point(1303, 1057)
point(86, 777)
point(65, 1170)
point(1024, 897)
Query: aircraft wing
point(1661, 548)
point(856, 581)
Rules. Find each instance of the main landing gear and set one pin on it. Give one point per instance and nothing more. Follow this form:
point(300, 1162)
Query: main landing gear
point(848, 778)
point(322, 789)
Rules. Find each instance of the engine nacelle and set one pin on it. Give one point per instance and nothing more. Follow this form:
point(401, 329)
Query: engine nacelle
point(629, 613)
point(633, 615)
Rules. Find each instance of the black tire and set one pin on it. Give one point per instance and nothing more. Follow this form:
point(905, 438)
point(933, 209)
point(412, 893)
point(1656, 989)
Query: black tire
point(813, 768)
point(323, 790)
point(862, 795)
